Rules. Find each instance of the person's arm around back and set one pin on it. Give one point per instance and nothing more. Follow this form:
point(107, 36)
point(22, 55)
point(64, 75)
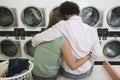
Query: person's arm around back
point(67, 55)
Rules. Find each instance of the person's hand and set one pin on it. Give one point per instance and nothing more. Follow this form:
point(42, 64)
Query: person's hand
point(88, 56)
point(90, 52)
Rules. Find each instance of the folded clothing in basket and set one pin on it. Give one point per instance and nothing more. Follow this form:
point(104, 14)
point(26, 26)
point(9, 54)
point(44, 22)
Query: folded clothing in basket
point(17, 66)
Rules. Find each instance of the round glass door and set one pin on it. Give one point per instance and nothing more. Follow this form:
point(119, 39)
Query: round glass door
point(32, 17)
point(112, 49)
point(29, 49)
point(90, 16)
point(6, 17)
point(9, 48)
point(113, 17)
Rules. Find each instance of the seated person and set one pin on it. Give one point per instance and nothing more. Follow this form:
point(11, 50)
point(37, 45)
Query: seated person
point(48, 55)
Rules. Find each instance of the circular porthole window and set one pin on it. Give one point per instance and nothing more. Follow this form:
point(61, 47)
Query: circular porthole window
point(32, 17)
point(90, 16)
point(28, 48)
point(6, 17)
point(8, 48)
point(113, 18)
point(112, 49)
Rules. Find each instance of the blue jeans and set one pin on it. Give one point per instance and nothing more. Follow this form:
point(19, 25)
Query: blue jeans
point(47, 78)
point(74, 76)
point(44, 78)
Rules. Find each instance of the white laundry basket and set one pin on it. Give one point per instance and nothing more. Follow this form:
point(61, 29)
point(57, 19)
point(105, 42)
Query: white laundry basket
point(24, 76)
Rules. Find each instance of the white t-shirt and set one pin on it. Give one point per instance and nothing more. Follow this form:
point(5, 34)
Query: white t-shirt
point(82, 38)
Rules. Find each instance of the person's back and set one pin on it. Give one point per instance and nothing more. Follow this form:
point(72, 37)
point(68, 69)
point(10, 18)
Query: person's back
point(79, 33)
point(47, 58)
point(81, 38)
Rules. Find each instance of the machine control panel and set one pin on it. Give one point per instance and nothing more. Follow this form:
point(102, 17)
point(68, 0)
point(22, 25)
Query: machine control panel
point(103, 33)
point(99, 31)
point(6, 33)
point(18, 33)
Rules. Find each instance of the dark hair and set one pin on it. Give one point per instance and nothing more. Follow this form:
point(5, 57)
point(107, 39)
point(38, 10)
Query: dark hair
point(55, 17)
point(68, 8)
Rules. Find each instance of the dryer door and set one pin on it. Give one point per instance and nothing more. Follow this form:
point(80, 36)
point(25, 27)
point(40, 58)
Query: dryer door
point(90, 16)
point(32, 17)
point(6, 17)
point(112, 49)
point(9, 48)
point(29, 49)
point(113, 17)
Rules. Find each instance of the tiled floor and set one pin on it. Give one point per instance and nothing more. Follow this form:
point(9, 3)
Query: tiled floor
point(99, 73)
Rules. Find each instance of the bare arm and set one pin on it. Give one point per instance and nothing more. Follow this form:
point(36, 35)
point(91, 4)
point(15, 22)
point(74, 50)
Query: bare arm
point(67, 55)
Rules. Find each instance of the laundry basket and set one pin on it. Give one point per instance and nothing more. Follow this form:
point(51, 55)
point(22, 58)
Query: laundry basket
point(27, 75)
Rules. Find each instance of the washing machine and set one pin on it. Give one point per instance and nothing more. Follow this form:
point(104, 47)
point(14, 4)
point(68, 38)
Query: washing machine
point(111, 49)
point(112, 15)
point(27, 48)
point(32, 14)
point(9, 48)
point(91, 14)
point(33, 17)
point(8, 18)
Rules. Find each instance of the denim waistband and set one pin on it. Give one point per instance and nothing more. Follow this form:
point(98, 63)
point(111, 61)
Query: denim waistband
point(74, 76)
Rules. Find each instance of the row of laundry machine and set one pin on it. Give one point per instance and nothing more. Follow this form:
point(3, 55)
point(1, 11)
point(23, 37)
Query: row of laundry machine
point(21, 20)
